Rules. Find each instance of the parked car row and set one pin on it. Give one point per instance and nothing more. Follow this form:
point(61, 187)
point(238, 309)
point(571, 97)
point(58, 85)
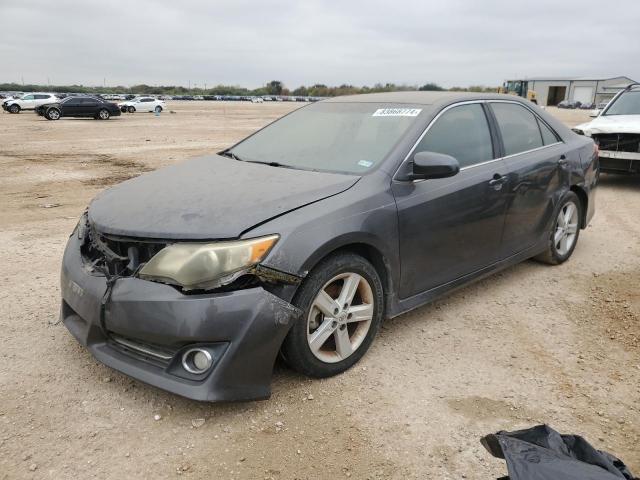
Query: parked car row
point(573, 104)
point(52, 107)
point(247, 98)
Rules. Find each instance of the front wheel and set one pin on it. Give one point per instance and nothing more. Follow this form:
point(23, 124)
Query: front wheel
point(342, 301)
point(104, 114)
point(565, 231)
point(14, 108)
point(158, 109)
point(52, 114)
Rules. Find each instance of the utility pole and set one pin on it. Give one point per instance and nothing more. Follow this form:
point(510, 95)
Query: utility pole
point(189, 84)
point(22, 80)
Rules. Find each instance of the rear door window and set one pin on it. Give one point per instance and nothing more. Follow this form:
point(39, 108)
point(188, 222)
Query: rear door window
point(463, 133)
point(518, 126)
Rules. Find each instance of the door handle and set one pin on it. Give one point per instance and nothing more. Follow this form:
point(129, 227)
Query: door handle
point(563, 161)
point(497, 181)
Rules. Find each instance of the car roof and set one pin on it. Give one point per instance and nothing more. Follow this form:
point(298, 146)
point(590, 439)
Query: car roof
point(420, 98)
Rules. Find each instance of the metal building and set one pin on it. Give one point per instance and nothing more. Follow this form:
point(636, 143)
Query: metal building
point(551, 91)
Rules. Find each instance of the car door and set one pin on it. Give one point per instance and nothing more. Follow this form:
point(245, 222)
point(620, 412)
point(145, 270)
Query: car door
point(41, 99)
point(89, 107)
point(27, 102)
point(146, 104)
point(452, 227)
point(535, 158)
point(72, 107)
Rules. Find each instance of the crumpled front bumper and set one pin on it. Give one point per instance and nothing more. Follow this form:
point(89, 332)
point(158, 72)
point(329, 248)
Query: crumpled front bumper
point(244, 329)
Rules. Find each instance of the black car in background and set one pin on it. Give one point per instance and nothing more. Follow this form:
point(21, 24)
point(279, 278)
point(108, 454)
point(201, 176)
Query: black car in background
point(75, 106)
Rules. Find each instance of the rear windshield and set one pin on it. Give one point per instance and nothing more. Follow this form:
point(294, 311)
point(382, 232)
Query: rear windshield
point(334, 137)
point(626, 104)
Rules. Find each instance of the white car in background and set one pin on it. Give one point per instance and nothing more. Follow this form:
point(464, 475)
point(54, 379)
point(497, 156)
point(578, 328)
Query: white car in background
point(142, 104)
point(28, 101)
point(616, 131)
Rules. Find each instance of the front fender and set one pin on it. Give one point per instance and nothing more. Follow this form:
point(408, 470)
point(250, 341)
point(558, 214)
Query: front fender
point(363, 216)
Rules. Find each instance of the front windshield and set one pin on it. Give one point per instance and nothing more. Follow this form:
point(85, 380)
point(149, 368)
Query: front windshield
point(626, 104)
point(330, 136)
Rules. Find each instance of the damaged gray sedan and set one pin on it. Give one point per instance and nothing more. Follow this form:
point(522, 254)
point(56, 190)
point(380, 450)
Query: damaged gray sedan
point(301, 238)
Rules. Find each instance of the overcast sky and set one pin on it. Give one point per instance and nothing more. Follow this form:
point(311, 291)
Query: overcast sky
point(361, 42)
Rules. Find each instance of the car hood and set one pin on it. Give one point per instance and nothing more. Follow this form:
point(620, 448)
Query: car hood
point(611, 124)
point(211, 197)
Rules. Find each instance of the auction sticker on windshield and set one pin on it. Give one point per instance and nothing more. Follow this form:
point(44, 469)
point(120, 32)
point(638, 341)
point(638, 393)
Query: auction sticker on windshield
point(397, 112)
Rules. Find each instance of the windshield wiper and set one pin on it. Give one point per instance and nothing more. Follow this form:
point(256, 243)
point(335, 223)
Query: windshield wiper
point(230, 154)
point(271, 164)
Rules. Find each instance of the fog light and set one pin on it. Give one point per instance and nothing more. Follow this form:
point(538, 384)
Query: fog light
point(196, 360)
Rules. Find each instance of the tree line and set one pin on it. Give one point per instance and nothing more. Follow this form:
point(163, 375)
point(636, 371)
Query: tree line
point(274, 87)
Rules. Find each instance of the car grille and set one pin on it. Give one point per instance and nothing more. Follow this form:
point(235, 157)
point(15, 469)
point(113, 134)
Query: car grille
point(618, 142)
point(115, 255)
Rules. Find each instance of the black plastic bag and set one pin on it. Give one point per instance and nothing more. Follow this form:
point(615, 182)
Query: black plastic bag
point(541, 453)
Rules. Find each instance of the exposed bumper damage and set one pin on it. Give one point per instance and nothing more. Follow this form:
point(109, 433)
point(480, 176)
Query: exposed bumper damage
point(142, 328)
point(618, 138)
point(619, 152)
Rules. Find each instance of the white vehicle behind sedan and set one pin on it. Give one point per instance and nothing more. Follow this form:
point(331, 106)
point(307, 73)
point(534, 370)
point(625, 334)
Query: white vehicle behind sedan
point(28, 101)
point(616, 131)
point(142, 104)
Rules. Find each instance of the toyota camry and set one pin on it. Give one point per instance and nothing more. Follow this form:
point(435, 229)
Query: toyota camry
point(302, 238)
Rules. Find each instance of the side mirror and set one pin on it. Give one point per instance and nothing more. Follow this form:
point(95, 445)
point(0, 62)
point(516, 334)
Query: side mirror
point(433, 165)
point(594, 113)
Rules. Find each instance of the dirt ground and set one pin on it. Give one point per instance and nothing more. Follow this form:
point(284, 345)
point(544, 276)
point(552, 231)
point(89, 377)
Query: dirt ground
point(533, 344)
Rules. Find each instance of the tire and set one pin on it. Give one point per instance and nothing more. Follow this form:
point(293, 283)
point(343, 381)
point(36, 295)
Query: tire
point(103, 114)
point(131, 109)
point(14, 108)
point(331, 279)
point(565, 232)
point(52, 114)
point(158, 109)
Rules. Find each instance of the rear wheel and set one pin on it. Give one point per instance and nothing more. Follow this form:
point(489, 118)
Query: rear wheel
point(52, 114)
point(565, 232)
point(131, 109)
point(104, 114)
point(342, 301)
point(14, 108)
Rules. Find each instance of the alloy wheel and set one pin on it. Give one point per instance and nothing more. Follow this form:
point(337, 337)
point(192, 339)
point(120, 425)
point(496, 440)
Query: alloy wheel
point(340, 317)
point(566, 228)
point(103, 114)
point(53, 114)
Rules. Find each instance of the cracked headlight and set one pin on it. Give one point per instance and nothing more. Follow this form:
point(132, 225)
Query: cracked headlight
point(206, 265)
